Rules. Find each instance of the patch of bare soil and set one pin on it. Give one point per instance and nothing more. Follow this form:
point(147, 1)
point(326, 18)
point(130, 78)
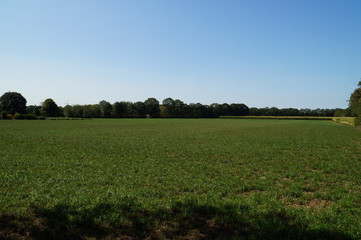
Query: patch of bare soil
point(316, 204)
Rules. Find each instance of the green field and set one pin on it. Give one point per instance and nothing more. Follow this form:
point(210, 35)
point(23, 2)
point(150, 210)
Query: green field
point(180, 179)
point(278, 117)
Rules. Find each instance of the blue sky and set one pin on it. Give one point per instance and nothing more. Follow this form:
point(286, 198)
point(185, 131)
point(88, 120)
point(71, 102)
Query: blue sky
point(302, 54)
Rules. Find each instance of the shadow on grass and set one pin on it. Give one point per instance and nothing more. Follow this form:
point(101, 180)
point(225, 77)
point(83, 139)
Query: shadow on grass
point(128, 220)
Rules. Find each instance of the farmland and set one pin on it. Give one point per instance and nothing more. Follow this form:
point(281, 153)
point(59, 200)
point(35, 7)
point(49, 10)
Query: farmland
point(180, 178)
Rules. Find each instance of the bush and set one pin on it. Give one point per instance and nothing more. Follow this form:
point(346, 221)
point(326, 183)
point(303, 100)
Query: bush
point(358, 121)
point(19, 116)
point(6, 116)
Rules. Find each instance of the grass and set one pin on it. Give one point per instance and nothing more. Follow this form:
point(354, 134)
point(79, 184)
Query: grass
point(278, 117)
point(179, 179)
point(345, 120)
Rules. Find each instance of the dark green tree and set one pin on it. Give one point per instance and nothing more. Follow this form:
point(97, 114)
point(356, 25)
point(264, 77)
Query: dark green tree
point(140, 109)
point(120, 109)
point(339, 112)
point(355, 101)
point(152, 107)
point(168, 108)
point(91, 111)
point(131, 112)
point(216, 109)
point(78, 110)
point(355, 104)
point(95, 108)
point(12, 102)
point(197, 110)
point(255, 111)
point(105, 109)
point(239, 109)
point(289, 112)
point(33, 109)
point(61, 112)
point(50, 109)
point(180, 109)
point(68, 111)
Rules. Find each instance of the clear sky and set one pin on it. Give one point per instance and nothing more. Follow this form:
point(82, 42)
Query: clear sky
point(282, 53)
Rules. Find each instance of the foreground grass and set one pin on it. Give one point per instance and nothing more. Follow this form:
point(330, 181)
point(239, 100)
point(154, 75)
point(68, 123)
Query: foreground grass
point(184, 179)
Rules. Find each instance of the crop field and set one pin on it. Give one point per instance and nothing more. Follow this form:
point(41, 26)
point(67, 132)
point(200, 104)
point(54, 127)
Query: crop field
point(179, 179)
point(279, 117)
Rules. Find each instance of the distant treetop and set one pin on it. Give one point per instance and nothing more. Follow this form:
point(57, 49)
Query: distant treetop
point(12, 102)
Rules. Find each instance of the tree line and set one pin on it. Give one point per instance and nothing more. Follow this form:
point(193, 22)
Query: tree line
point(13, 105)
point(354, 109)
point(151, 108)
point(273, 111)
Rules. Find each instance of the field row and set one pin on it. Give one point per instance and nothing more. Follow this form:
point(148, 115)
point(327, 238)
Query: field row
point(180, 178)
point(278, 117)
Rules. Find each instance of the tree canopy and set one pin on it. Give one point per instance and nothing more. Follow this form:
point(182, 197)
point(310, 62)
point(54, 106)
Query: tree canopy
point(355, 104)
point(105, 108)
point(152, 107)
point(355, 101)
point(12, 102)
point(50, 109)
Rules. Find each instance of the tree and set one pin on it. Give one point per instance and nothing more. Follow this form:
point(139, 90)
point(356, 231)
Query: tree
point(216, 109)
point(239, 109)
point(355, 104)
point(105, 109)
point(180, 109)
point(69, 111)
point(140, 109)
point(119, 109)
point(49, 108)
point(33, 109)
point(152, 107)
point(12, 102)
point(91, 111)
point(197, 110)
point(355, 101)
point(341, 112)
point(254, 111)
point(168, 108)
point(78, 110)
point(130, 109)
point(289, 112)
point(61, 111)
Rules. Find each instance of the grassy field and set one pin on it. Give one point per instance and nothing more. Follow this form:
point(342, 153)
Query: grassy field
point(278, 117)
point(180, 179)
point(345, 120)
